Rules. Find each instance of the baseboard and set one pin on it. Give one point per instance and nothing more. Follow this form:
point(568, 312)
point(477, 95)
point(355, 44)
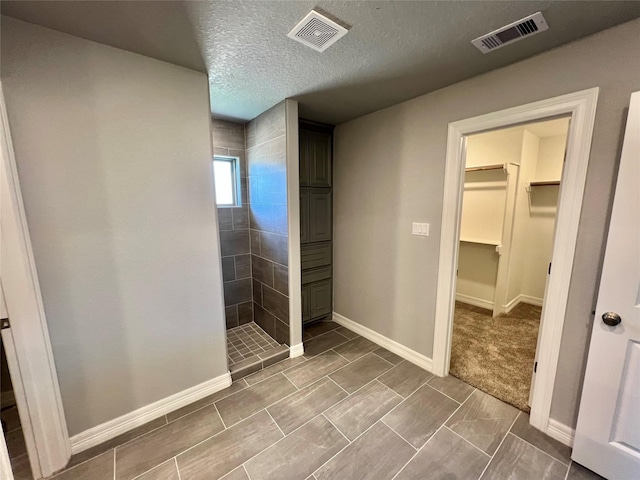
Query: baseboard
point(476, 302)
point(528, 299)
point(296, 350)
point(111, 429)
point(511, 305)
point(391, 345)
point(561, 432)
point(531, 300)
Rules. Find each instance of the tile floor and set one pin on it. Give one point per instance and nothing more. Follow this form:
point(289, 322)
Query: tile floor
point(246, 341)
point(346, 410)
point(16, 444)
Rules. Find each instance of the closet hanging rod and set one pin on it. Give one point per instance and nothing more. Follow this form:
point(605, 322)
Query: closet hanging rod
point(498, 166)
point(545, 184)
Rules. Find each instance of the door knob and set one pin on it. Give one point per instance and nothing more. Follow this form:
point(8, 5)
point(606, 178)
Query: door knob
point(611, 318)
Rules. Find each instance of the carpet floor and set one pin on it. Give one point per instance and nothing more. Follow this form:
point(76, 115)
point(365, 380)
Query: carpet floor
point(496, 355)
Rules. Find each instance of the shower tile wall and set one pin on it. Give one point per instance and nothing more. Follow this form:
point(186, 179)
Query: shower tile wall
point(229, 140)
point(266, 159)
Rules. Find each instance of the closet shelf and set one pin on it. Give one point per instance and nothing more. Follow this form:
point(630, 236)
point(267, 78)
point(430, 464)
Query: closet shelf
point(498, 166)
point(495, 243)
point(545, 184)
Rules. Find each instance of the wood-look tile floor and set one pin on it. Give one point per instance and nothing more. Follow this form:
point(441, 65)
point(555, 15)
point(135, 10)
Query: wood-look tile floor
point(346, 410)
point(16, 444)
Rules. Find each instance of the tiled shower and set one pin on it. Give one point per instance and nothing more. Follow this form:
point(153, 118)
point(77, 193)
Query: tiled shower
point(253, 242)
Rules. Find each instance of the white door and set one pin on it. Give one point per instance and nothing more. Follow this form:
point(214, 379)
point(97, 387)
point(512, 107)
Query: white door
point(608, 432)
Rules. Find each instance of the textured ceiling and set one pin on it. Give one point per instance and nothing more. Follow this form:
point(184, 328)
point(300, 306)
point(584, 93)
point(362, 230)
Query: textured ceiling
point(395, 50)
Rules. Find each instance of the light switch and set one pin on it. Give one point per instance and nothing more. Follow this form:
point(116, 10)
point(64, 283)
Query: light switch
point(421, 229)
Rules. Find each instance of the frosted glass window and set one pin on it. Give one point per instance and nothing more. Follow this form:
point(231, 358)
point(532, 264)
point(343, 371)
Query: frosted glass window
point(225, 173)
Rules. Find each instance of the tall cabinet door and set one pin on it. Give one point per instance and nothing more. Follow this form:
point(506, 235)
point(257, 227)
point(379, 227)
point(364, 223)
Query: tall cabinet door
point(306, 307)
point(320, 218)
point(303, 141)
point(316, 219)
point(320, 298)
point(319, 159)
point(304, 215)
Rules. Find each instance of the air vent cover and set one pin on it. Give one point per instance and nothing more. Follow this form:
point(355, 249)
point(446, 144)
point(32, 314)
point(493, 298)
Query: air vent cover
point(317, 31)
point(511, 33)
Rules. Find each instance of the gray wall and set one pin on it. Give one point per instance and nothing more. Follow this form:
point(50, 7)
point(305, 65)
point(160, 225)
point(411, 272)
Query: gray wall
point(228, 140)
point(267, 162)
point(389, 172)
point(114, 159)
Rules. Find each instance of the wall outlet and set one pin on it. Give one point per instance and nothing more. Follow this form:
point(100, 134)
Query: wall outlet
point(421, 229)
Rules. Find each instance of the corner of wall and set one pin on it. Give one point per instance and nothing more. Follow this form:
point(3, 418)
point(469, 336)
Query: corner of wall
point(293, 207)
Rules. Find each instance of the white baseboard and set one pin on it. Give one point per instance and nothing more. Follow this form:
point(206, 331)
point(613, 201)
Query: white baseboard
point(528, 299)
point(561, 432)
point(476, 302)
point(111, 429)
point(531, 300)
point(391, 345)
point(511, 305)
point(296, 350)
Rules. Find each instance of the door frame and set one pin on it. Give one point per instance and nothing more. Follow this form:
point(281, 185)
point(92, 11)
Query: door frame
point(33, 372)
point(581, 107)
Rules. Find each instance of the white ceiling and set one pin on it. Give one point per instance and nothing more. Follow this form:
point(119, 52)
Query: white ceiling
point(394, 51)
point(549, 128)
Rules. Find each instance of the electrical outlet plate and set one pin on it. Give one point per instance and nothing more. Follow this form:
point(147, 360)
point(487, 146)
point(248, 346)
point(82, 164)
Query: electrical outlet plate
point(420, 229)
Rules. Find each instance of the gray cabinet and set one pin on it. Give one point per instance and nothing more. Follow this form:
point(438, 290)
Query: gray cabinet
point(317, 300)
point(320, 299)
point(303, 139)
point(315, 255)
point(315, 158)
point(315, 215)
point(306, 313)
point(319, 159)
point(304, 216)
point(316, 220)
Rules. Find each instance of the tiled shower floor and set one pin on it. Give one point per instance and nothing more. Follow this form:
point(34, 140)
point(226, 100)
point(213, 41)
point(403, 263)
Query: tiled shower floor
point(246, 341)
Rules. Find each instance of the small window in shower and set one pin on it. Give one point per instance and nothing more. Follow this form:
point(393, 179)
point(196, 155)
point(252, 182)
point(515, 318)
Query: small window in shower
point(226, 174)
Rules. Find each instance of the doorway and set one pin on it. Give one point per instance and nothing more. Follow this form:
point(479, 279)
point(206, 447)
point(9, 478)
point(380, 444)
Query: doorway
point(26, 342)
point(509, 206)
point(11, 425)
point(580, 107)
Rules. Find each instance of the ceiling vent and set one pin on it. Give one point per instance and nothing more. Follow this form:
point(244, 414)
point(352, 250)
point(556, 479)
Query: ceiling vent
point(513, 32)
point(317, 31)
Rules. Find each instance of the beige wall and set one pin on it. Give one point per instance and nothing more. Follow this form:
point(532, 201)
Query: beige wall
point(519, 240)
point(551, 156)
point(477, 274)
point(114, 158)
point(541, 210)
point(533, 214)
point(483, 213)
point(389, 172)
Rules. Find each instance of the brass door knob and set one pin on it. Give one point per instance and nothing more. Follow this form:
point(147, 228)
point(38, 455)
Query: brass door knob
point(611, 318)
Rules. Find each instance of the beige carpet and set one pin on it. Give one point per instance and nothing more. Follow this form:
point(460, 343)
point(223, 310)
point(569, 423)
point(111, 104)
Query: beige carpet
point(496, 355)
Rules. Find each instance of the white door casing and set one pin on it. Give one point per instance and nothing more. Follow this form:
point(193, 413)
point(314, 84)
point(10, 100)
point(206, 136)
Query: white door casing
point(608, 431)
point(581, 106)
point(32, 369)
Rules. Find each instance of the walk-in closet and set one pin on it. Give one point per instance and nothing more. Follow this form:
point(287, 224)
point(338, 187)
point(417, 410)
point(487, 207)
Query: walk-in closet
point(510, 196)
